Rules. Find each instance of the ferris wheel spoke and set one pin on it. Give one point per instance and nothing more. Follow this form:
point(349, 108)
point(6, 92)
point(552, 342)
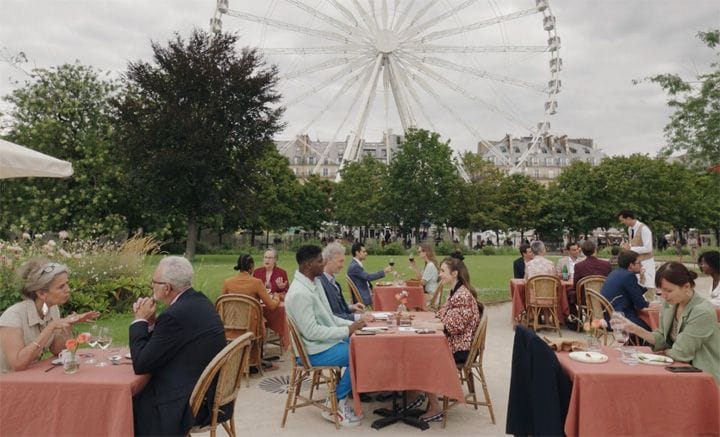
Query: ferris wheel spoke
point(419, 66)
point(324, 34)
point(413, 94)
point(430, 91)
point(420, 13)
point(332, 79)
point(385, 16)
point(429, 48)
point(325, 65)
point(403, 15)
point(420, 28)
point(345, 12)
point(484, 74)
point(365, 17)
point(348, 30)
point(407, 118)
point(478, 25)
point(328, 50)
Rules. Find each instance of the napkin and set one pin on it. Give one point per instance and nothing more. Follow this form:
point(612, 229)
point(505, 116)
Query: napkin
point(565, 345)
point(438, 326)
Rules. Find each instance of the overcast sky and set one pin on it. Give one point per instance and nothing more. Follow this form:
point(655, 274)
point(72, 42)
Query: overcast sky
point(605, 45)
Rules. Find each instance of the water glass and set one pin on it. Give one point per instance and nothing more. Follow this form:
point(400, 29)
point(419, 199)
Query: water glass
point(92, 342)
point(629, 355)
point(390, 320)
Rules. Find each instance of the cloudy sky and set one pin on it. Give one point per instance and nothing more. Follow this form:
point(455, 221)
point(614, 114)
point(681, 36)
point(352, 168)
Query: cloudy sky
point(605, 46)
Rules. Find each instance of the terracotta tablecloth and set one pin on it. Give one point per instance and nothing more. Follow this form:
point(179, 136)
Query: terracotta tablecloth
point(517, 292)
point(95, 401)
point(277, 321)
point(403, 361)
point(383, 298)
point(616, 399)
point(651, 316)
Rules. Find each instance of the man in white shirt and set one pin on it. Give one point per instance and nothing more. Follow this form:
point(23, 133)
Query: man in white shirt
point(573, 250)
point(641, 243)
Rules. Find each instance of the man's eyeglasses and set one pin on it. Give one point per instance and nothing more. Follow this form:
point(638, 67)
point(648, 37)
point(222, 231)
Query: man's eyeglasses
point(153, 283)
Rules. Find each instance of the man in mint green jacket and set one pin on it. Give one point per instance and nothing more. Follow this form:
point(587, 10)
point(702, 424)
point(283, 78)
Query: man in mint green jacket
point(324, 335)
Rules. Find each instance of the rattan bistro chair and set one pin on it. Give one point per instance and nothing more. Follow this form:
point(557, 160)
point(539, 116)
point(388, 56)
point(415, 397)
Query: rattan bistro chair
point(228, 366)
point(472, 369)
point(240, 314)
point(598, 306)
point(541, 297)
point(436, 300)
point(357, 297)
point(594, 282)
point(329, 375)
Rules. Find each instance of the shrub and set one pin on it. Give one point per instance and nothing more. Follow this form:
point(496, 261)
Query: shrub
point(104, 276)
point(489, 250)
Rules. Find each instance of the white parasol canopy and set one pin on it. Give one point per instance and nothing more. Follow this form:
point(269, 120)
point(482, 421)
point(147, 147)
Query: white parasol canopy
point(18, 161)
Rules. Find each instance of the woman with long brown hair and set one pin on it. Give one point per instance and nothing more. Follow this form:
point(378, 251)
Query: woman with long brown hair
point(429, 275)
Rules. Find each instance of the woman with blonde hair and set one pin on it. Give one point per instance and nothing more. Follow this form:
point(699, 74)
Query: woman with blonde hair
point(429, 276)
point(30, 327)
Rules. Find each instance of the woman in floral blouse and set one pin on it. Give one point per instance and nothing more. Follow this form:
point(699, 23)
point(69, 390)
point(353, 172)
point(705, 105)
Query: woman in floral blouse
point(460, 315)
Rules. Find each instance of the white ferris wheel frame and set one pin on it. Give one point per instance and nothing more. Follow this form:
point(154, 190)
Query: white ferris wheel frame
point(372, 46)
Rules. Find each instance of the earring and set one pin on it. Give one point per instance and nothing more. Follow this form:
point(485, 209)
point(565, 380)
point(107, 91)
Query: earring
point(45, 309)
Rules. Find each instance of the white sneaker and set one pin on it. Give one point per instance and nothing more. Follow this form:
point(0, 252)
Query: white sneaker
point(350, 410)
point(346, 416)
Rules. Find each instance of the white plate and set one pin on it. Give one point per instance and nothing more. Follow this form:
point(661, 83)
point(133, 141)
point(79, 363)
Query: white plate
point(56, 361)
point(588, 357)
point(653, 360)
point(380, 315)
point(374, 328)
point(406, 329)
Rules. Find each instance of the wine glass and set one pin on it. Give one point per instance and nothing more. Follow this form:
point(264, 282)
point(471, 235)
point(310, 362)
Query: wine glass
point(621, 337)
point(92, 342)
point(617, 324)
point(391, 262)
point(104, 340)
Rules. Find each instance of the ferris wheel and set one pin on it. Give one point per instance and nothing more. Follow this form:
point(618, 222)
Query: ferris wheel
point(470, 70)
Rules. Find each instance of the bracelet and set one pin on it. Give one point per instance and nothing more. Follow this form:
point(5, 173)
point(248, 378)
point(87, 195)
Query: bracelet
point(37, 345)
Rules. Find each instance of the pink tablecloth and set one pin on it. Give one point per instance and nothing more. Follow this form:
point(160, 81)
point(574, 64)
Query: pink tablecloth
point(651, 316)
point(95, 401)
point(277, 321)
point(383, 298)
point(517, 292)
point(616, 399)
point(403, 361)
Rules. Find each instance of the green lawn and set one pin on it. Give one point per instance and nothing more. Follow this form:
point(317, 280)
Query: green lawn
point(489, 274)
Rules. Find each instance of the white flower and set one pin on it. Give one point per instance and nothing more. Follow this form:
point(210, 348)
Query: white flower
point(38, 236)
point(26, 236)
point(63, 235)
point(51, 243)
point(64, 253)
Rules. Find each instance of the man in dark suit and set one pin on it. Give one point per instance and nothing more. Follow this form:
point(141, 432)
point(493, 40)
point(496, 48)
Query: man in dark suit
point(359, 276)
point(175, 348)
point(334, 257)
point(622, 289)
point(519, 264)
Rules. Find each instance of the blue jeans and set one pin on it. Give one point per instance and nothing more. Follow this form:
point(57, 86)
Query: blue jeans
point(338, 355)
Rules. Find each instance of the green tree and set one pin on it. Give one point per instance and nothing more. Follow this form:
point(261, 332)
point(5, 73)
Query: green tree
point(480, 198)
point(523, 199)
point(359, 196)
point(65, 112)
point(694, 127)
point(193, 125)
point(315, 203)
point(422, 181)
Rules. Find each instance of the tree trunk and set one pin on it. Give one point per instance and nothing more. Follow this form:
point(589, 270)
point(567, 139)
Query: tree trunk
point(252, 237)
point(267, 238)
point(192, 236)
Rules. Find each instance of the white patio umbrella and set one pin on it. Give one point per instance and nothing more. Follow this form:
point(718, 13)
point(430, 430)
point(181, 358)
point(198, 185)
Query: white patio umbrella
point(18, 161)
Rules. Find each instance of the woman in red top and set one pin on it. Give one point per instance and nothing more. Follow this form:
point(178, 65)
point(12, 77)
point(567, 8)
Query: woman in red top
point(460, 315)
point(274, 278)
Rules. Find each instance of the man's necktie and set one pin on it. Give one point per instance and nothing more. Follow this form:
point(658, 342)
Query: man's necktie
point(632, 232)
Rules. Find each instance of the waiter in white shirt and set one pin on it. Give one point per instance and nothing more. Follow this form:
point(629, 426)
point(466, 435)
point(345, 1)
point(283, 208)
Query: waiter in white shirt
point(641, 243)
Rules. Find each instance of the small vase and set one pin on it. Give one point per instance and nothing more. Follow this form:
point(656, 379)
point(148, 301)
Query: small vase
point(593, 343)
point(71, 363)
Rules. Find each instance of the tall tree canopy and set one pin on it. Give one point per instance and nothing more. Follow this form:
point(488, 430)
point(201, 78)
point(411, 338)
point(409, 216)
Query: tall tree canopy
point(423, 180)
point(694, 127)
point(360, 193)
point(194, 124)
point(65, 112)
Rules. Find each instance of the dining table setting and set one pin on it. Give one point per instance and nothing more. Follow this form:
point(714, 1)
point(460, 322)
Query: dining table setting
point(90, 400)
point(409, 352)
point(384, 296)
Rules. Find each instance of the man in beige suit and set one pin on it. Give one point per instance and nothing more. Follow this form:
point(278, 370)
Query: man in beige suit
point(641, 243)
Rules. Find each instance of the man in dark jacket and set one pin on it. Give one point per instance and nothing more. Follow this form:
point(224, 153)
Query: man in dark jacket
point(334, 257)
point(519, 264)
point(175, 348)
point(622, 289)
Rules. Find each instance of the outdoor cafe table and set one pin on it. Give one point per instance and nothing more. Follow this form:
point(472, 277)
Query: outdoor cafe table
point(383, 297)
point(94, 401)
point(614, 398)
point(277, 321)
point(398, 361)
point(651, 315)
point(517, 292)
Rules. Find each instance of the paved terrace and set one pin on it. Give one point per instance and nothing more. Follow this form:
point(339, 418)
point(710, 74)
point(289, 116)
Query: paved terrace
point(259, 410)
